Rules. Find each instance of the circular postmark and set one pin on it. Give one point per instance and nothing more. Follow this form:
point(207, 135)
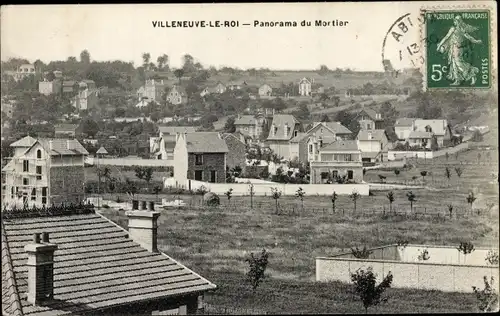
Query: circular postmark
point(401, 48)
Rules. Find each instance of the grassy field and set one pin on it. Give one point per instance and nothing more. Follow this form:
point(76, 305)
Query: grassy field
point(216, 242)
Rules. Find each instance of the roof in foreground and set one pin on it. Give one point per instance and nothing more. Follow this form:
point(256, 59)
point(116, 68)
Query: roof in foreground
point(206, 142)
point(96, 265)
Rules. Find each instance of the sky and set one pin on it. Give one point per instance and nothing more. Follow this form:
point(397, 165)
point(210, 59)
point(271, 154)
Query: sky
point(125, 32)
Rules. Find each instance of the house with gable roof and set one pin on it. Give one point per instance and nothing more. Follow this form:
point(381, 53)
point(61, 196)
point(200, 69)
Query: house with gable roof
point(250, 125)
point(45, 171)
point(177, 95)
point(265, 90)
point(284, 128)
point(71, 260)
point(305, 87)
point(439, 128)
point(369, 119)
point(163, 146)
point(202, 156)
point(373, 144)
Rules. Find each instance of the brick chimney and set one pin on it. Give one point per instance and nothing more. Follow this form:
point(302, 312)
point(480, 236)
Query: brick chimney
point(142, 228)
point(40, 269)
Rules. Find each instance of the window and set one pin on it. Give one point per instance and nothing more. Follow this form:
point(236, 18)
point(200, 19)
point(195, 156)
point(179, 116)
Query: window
point(275, 130)
point(198, 159)
point(368, 126)
point(295, 133)
point(44, 195)
point(39, 172)
point(33, 194)
point(350, 174)
point(310, 148)
point(381, 146)
point(335, 173)
point(26, 181)
point(25, 166)
point(320, 143)
point(198, 175)
point(288, 130)
point(39, 154)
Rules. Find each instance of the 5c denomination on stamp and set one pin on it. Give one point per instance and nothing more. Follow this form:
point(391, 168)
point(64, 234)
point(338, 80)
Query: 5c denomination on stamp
point(458, 48)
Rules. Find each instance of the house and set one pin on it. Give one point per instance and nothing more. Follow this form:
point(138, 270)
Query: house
point(141, 93)
point(71, 260)
point(87, 96)
point(163, 146)
point(69, 87)
point(250, 125)
point(143, 103)
point(439, 128)
point(403, 127)
point(338, 159)
point(265, 90)
point(236, 155)
point(49, 87)
point(220, 88)
point(320, 134)
point(373, 145)
point(24, 70)
point(67, 130)
point(177, 95)
point(58, 74)
point(369, 119)
point(236, 85)
point(153, 90)
point(45, 171)
point(420, 139)
point(200, 156)
point(305, 87)
point(283, 128)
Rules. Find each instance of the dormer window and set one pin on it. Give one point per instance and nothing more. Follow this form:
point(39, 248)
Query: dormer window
point(295, 133)
point(275, 130)
point(288, 130)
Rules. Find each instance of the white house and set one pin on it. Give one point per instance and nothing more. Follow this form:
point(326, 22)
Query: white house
point(373, 145)
point(439, 128)
point(305, 87)
point(403, 127)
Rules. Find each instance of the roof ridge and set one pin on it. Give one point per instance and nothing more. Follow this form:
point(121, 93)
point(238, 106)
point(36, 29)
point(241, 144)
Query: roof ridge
point(9, 274)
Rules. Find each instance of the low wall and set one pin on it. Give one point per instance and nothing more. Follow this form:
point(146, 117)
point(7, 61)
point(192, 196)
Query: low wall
point(451, 150)
point(263, 189)
point(130, 162)
point(398, 155)
point(411, 273)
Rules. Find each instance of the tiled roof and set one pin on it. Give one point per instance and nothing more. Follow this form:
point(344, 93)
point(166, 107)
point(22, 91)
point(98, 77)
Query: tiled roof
point(206, 142)
point(96, 266)
point(246, 120)
point(438, 126)
point(378, 134)
point(341, 145)
point(298, 138)
point(420, 134)
point(337, 127)
point(63, 146)
point(11, 302)
point(280, 120)
point(227, 135)
point(404, 121)
point(27, 141)
point(102, 151)
point(172, 130)
point(371, 113)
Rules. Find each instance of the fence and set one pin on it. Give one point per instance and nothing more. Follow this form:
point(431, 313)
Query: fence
point(130, 162)
point(263, 189)
point(426, 275)
point(209, 309)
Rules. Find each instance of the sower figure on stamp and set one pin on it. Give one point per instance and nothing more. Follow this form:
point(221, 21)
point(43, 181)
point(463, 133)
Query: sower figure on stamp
point(453, 45)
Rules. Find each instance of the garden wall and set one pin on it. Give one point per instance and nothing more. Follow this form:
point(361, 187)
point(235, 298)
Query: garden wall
point(262, 189)
point(398, 155)
point(409, 274)
point(130, 162)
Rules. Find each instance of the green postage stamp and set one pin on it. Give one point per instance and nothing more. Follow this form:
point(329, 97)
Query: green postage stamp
point(458, 48)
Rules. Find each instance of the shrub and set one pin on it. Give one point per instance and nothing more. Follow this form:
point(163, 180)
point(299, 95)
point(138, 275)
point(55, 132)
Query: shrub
point(201, 190)
point(487, 298)
point(424, 255)
point(211, 199)
point(492, 257)
point(361, 253)
point(364, 285)
point(258, 266)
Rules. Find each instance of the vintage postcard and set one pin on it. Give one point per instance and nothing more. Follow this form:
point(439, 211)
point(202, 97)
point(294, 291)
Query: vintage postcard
point(253, 158)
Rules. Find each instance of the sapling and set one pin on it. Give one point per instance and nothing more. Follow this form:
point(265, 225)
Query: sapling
point(334, 199)
point(487, 298)
point(366, 288)
point(276, 194)
point(390, 197)
point(229, 194)
point(258, 266)
point(354, 196)
point(300, 194)
point(492, 257)
point(424, 255)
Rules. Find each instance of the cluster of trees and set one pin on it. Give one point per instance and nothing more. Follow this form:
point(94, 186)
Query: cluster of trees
point(381, 88)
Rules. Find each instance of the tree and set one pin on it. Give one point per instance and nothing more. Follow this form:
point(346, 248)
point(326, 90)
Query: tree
point(85, 57)
point(447, 173)
point(434, 143)
point(412, 198)
point(276, 194)
point(477, 136)
point(90, 127)
point(178, 73)
point(390, 197)
point(470, 199)
point(148, 174)
point(229, 194)
point(354, 196)
point(139, 173)
point(369, 293)
point(300, 194)
point(156, 190)
point(388, 113)
point(258, 266)
point(146, 57)
point(325, 118)
point(487, 298)
point(334, 199)
point(130, 187)
point(458, 171)
point(423, 173)
point(465, 248)
point(162, 62)
point(188, 63)
point(229, 127)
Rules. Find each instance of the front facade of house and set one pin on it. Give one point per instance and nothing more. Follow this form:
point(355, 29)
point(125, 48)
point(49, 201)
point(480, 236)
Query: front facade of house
point(373, 145)
point(403, 127)
point(87, 96)
point(128, 275)
point(177, 95)
point(439, 128)
point(24, 70)
point(44, 171)
point(322, 133)
point(304, 87)
point(265, 90)
point(420, 139)
point(153, 90)
point(49, 87)
point(338, 159)
point(284, 128)
point(369, 119)
point(250, 125)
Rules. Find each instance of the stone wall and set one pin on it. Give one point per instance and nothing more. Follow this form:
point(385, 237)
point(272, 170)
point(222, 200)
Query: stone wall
point(66, 184)
point(237, 151)
point(210, 162)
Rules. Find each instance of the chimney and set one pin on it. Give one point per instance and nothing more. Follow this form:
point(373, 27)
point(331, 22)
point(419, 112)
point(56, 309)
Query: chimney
point(286, 129)
point(40, 269)
point(142, 228)
point(161, 81)
point(152, 81)
point(68, 143)
point(369, 135)
point(50, 144)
